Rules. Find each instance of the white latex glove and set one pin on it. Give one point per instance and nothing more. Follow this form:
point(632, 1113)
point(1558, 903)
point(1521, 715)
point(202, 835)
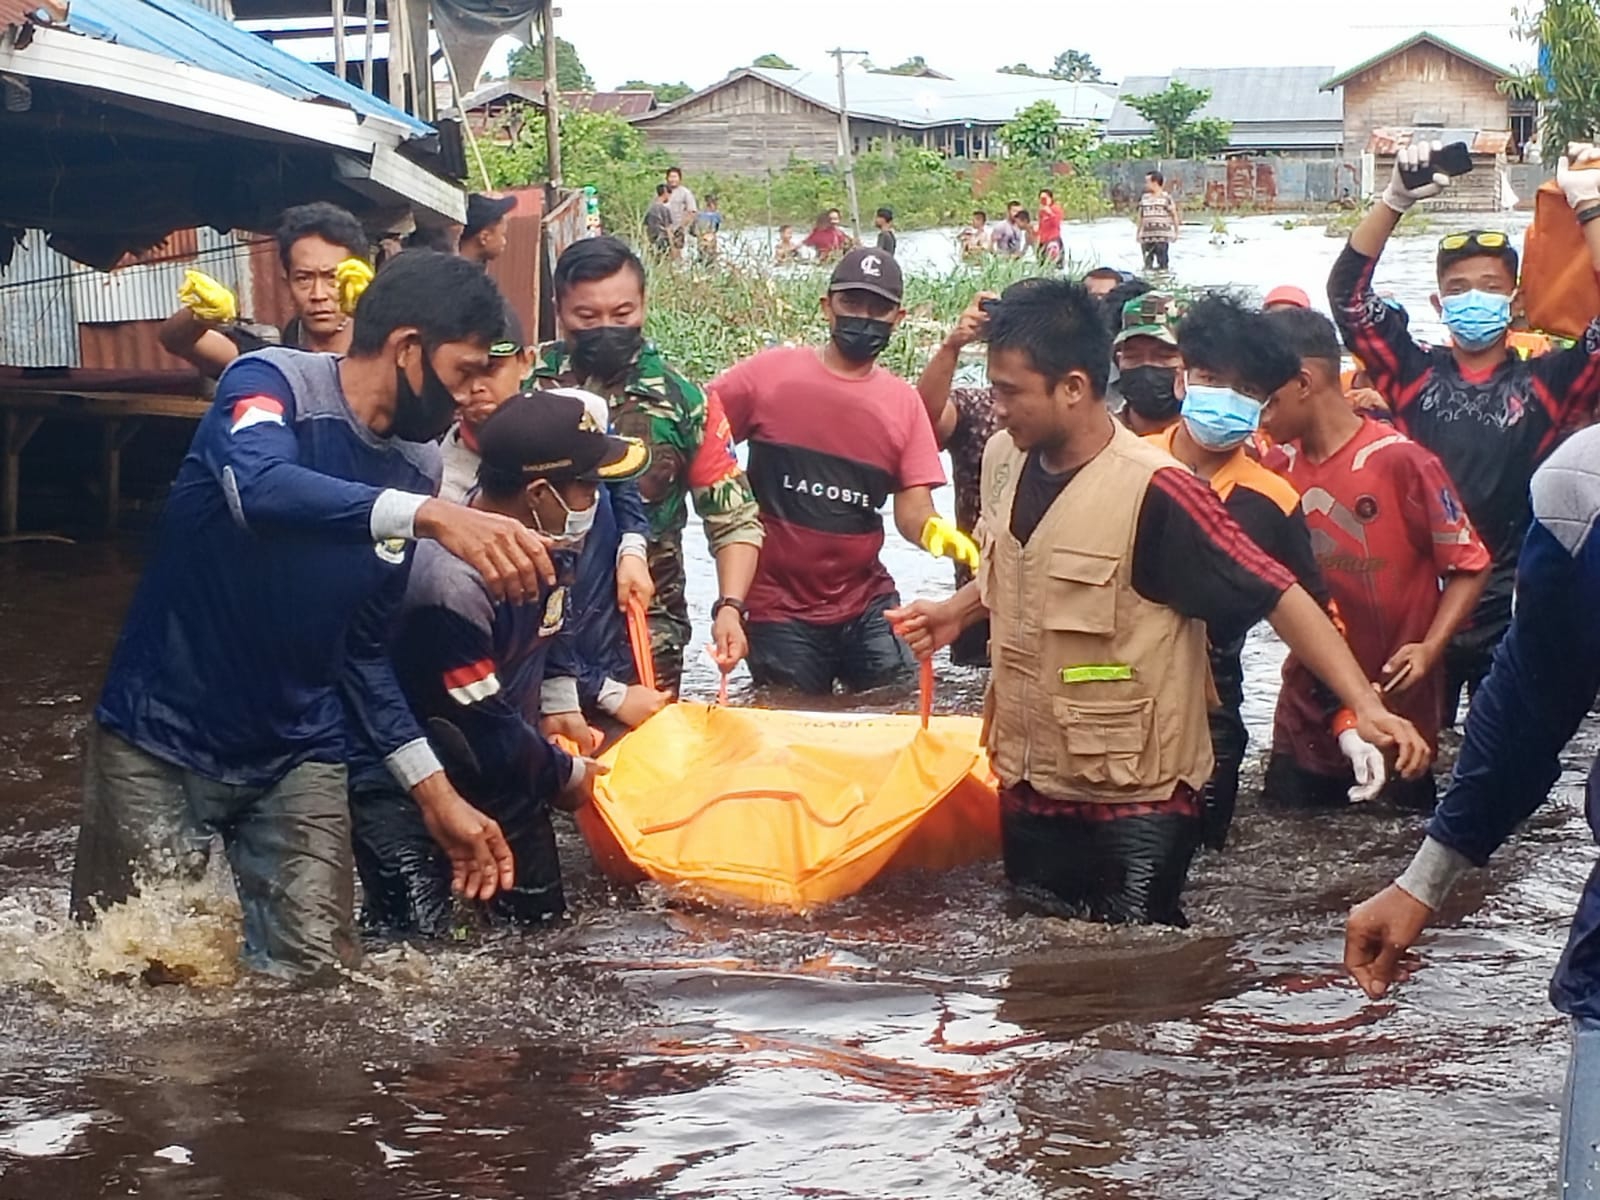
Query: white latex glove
point(1400, 197)
point(1366, 760)
point(1578, 175)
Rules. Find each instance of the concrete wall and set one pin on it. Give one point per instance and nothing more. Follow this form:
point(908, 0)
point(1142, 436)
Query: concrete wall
point(1422, 86)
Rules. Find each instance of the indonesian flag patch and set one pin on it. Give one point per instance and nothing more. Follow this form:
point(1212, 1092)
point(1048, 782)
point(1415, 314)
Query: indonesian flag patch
point(256, 410)
point(470, 684)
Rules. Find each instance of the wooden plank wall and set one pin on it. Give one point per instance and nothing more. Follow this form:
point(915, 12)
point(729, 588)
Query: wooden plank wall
point(1424, 85)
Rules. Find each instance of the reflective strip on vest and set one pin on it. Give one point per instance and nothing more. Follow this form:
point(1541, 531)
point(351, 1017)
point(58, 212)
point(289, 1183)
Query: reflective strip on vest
point(1103, 673)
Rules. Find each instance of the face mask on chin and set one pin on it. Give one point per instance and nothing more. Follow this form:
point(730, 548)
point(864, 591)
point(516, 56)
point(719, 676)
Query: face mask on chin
point(861, 339)
point(576, 526)
point(605, 351)
point(423, 416)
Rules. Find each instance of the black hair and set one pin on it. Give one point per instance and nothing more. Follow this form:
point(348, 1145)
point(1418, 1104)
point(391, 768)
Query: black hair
point(1114, 300)
point(662, 189)
point(1013, 203)
point(711, 197)
point(1219, 334)
point(499, 483)
point(676, 168)
point(886, 213)
point(978, 212)
point(589, 259)
point(1058, 325)
point(1024, 214)
point(1157, 176)
point(1309, 335)
point(326, 221)
point(1048, 192)
point(1506, 253)
point(447, 299)
point(434, 238)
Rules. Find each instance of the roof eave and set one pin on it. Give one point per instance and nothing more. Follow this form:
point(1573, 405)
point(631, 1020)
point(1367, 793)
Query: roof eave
point(1361, 68)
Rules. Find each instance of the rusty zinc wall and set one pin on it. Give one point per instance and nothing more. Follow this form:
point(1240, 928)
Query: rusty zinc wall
point(1237, 182)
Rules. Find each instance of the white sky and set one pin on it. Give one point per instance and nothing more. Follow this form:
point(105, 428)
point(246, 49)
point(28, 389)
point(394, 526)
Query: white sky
point(663, 41)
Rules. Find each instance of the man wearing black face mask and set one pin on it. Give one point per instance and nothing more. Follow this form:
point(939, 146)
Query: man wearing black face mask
point(253, 655)
point(600, 301)
point(1147, 360)
point(831, 436)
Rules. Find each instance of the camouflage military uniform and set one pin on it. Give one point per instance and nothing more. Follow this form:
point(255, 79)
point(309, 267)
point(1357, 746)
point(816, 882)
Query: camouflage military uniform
point(691, 459)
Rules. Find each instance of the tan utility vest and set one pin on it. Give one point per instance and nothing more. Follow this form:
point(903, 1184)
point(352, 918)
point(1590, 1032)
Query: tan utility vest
point(1096, 694)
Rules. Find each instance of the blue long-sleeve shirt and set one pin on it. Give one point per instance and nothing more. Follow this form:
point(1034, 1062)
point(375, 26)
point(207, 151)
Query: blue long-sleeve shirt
point(598, 652)
point(253, 625)
point(1545, 678)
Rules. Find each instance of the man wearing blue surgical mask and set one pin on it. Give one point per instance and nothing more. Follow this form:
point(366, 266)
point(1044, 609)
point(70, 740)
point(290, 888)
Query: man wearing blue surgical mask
point(1490, 416)
point(1231, 361)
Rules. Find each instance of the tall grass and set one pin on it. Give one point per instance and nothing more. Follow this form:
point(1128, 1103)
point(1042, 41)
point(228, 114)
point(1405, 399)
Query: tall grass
point(707, 316)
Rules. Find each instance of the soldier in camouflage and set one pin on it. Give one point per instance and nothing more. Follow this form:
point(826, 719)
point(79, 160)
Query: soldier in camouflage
point(600, 301)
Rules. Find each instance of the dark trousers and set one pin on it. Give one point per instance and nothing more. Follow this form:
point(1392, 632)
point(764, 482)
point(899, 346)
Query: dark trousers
point(1229, 741)
point(1119, 870)
point(861, 653)
point(145, 821)
point(1155, 255)
point(1288, 785)
point(405, 876)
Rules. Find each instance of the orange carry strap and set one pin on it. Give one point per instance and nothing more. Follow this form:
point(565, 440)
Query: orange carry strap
point(925, 691)
point(644, 662)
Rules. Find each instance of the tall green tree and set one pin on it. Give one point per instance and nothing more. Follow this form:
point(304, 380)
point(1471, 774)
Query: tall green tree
point(1170, 114)
point(773, 62)
point(1034, 132)
point(1023, 68)
point(1567, 82)
point(1075, 67)
point(666, 93)
point(527, 62)
point(915, 65)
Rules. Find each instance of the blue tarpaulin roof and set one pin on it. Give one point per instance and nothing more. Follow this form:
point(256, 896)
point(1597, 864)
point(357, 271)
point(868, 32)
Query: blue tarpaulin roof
point(186, 33)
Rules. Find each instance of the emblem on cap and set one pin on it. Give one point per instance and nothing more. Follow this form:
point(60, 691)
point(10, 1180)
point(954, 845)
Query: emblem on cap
point(872, 265)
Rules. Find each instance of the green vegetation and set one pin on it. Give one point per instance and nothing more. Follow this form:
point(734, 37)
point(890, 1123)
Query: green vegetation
point(604, 151)
point(666, 93)
point(527, 62)
point(1568, 35)
point(706, 317)
point(1177, 134)
point(1071, 66)
point(915, 65)
point(773, 62)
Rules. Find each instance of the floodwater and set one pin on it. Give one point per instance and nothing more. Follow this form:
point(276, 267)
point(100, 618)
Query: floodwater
point(920, 1040)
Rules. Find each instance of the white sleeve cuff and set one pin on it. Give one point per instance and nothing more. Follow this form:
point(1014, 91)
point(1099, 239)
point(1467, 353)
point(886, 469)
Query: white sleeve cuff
point(580, 772)
point(633, 543)
point(559, 694)
point(394, 514)
point(1433, 872)
point(413, 763)
point(612, 694)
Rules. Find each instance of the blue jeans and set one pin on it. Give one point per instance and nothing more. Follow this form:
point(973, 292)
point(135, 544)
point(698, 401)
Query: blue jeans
point(1580, 1113)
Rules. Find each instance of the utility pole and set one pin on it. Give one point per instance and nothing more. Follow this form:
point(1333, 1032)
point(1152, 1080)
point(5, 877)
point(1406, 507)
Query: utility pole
point(552, 92)
point(845, 146)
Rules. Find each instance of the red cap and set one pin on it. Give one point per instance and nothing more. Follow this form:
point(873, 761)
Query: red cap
point(1287, 294)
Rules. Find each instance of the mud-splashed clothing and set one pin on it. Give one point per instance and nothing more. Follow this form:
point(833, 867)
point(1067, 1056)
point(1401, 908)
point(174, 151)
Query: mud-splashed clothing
point(1490, 430)
point(692, 462)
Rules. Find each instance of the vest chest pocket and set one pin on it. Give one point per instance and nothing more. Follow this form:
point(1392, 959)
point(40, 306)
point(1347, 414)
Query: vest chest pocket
point(1106, 741)
point(1080, 593)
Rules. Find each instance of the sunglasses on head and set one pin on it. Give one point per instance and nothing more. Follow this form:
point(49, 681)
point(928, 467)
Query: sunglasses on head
point(1478, 240)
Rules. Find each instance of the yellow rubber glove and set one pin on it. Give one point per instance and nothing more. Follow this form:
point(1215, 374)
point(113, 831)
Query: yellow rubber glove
point(353, 275)
point(943, 540)
point(207, 299)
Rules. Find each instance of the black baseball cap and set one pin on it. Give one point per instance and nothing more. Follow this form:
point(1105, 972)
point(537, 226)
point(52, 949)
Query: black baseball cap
point(554, 435)
point(511, 339)
point(866, 269)
point(483, 211)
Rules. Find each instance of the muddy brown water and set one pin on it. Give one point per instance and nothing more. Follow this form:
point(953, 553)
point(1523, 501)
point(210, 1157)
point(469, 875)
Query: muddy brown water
point(923, 1039)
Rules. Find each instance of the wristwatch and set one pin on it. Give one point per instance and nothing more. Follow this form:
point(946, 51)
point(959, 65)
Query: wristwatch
point(738, 606)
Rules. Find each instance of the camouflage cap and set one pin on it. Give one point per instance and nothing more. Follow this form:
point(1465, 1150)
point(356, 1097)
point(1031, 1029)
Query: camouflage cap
point(1154, 314)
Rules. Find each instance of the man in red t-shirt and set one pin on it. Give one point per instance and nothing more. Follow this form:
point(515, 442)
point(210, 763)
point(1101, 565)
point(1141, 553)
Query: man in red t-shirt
point(1050, 218)
point(1397, 551)
point(832, 435)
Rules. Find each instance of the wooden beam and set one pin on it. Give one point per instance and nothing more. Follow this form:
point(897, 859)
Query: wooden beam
point(101, 405)
point(19, 428)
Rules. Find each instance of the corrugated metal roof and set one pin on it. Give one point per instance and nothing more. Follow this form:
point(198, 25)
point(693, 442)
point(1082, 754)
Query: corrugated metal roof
point(629, 103)
point(1238, 94)
point(919, 101)
point(183, 32)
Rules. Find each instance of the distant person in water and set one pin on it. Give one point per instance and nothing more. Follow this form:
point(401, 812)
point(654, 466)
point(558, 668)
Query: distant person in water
point(1159, 222)
point(827, 236)
point(975, 239)
point(887, 241)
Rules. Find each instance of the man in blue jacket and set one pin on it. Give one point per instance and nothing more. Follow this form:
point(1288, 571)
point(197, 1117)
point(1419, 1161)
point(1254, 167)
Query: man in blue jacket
point(1544, 681)
point(253, 652)
point(473, 669)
